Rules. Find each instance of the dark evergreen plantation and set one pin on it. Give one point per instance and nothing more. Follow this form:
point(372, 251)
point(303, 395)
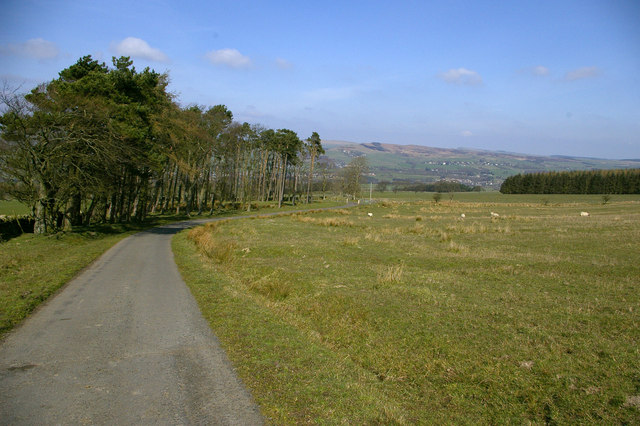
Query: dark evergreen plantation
point(626, 181)
point(110, 144)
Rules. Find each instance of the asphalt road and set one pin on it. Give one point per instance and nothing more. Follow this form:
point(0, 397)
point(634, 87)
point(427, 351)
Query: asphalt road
point(123, 343)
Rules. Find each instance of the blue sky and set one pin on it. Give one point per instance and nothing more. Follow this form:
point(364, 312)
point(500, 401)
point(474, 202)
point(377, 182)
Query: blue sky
point(538, 77)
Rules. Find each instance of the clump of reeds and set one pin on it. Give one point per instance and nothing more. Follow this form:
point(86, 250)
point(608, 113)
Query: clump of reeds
point(220, 250)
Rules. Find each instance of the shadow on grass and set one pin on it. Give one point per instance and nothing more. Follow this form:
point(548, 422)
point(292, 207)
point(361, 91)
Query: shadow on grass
point(163, 224)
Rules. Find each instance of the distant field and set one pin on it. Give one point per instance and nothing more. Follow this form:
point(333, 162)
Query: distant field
point(13, 208)
point(416, 315)
point(497, 197)
point(470, 166)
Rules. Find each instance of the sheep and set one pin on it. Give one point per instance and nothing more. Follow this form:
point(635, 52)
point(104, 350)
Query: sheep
point(462, 216)
point(370, 214)
point(584, 214)
point(494, 214)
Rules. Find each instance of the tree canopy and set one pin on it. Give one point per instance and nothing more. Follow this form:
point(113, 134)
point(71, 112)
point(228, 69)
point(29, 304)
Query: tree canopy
point(110, 143)
point(626, 181)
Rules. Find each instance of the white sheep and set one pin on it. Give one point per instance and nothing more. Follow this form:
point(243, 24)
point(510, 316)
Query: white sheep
point(370, 214)
point(584, 214)
point(462, 216)
point(493, 214)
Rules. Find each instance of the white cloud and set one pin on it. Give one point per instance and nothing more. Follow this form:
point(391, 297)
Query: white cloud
point(540, 70)
point(138, 48)
point(283, 64)
point(37, 48)
point(228, 57)
point(581, 73)
point(466, 133)
point(462, 76)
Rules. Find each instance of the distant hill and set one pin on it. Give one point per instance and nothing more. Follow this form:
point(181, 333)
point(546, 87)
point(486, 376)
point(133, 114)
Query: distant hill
point(413, 163)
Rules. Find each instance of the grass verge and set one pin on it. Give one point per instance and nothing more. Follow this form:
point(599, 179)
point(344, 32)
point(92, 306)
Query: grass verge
point(528, 317)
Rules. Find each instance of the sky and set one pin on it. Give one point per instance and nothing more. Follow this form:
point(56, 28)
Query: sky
point(541, 77)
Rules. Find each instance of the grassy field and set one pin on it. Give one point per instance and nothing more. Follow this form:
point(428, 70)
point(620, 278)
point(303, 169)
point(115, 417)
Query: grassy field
point(33, 267)
point(416, 315)
point(13, 208)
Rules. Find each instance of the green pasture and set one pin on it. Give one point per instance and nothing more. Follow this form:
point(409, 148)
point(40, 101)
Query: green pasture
point(416, 315)
point(495, 197)
point(13, 208)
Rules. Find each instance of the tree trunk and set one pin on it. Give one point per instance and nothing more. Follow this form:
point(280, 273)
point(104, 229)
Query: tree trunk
point(89, 212)
point(74, 212)
point(40, 225)
point(313, 157)
point(283, 178)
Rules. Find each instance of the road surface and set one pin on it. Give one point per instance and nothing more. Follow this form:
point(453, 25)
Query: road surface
point(123, 343)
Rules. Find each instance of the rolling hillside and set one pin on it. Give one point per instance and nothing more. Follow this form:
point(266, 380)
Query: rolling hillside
point(413, 163)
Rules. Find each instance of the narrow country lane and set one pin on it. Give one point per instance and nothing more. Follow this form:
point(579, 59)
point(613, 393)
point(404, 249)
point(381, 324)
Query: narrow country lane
point(123, 343)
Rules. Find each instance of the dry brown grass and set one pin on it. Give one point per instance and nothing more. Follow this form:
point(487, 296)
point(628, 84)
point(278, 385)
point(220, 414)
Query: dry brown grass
point(391, 216)
point(454, 247)
point(391, 274)
point(476, 228)
point(444, 236)
point(220, 250)
point(351, 241)
point(390, 204)
point(326, 221)
point(274, 286)
point(373, 236)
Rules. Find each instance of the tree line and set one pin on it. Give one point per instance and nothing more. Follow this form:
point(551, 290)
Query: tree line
point(625, 181)
point(111, 144)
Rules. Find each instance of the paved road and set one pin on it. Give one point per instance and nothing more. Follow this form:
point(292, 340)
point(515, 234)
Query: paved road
point(124, 343)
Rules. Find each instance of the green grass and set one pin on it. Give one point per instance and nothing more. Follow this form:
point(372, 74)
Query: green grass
point(495, 197)
point(33, 267)
point(415, 315)
point(13, 208)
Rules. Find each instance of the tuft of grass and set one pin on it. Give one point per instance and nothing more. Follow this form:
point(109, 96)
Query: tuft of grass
point(444, 236)
point(476, 228)
point(273, 286)
point(327, 221)
point(391, 274)
point(417, 229)
point(373, 236)
point(391, 216)
point(351, 241)
point(219, 249)
point(456, 248)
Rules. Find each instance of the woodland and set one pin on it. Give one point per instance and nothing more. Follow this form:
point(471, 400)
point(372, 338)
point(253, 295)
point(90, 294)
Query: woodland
point(112, 144)
point(625, 181)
